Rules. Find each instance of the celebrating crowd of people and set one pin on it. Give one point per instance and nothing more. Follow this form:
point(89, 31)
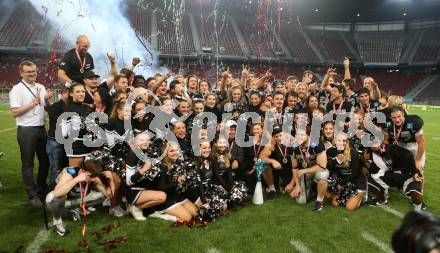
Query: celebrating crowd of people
point(197, 181)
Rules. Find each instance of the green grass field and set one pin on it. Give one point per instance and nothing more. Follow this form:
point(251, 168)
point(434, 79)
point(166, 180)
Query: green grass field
point(272, 227)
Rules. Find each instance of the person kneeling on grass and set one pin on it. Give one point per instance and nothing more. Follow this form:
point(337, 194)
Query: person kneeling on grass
point(140, 180)
point(175, 204)
point(347, 183)
point(394, 166)
point(74, 180)
point(309, 161)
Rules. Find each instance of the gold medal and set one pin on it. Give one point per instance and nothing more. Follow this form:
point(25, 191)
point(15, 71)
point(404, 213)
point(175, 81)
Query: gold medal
point(304, 164)
point(230, 156)
point(395, 142)
point(81, 71)
point(285, 160)
point(255, 159)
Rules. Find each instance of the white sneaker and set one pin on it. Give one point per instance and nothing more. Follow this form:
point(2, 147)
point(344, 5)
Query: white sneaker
point(136, 212)
point(117, 211)
point(163, 216)
point(94, 195)
point(107, 202)
point(60, 229)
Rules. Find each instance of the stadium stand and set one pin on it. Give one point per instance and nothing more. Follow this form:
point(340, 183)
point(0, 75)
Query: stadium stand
point(430, 94)
point(296, 42)
point(225, 38)
point(172, 39)
point(331, 45)
point(429, 49)
point(380, 47)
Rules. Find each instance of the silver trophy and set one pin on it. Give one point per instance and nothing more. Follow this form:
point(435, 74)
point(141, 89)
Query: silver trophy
point(258, 193)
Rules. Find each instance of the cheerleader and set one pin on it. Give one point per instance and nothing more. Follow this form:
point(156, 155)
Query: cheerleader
point(220, 154)
point(278, 156)
point(356, 138)
point(116, 133)
point(309, 162)
point(255, 102)
point(347, 183)
point(76, 123)
point(141, 120)
point(102, 101)
point(76, 182)
point(210, 178)
point(179, 129)
point(175, 204)
point(140, 180)
point(211, 105)
point(328, 133)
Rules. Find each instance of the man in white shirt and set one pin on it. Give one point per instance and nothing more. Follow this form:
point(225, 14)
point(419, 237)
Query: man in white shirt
point(27, 102)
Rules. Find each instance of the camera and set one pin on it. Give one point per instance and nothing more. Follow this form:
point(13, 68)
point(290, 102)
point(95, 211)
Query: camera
point(418, 233)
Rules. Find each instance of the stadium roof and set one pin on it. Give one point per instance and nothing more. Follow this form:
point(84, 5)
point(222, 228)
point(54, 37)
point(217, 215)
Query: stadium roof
point(365, 10)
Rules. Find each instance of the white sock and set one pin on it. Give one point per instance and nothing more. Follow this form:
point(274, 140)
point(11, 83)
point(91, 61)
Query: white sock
point(271, 188)
point(57, 221)
point(319, 199)
point(417, 207)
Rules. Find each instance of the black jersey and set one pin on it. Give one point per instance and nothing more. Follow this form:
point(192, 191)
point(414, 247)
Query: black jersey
point(283, 154)
point(338, 108)
point(308, 154)
point(411, 126)
point(117, 137)
point(373, 106)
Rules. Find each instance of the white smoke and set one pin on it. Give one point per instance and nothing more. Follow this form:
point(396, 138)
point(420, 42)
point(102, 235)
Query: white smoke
point(107, 28)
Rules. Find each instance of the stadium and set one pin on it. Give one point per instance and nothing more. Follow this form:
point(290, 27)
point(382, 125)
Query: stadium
point(397, 42)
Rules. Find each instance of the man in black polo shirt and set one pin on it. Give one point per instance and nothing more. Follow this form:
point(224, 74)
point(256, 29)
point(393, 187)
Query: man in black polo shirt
point(76, 62)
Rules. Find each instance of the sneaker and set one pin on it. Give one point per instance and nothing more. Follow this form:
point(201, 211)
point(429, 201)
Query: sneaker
point(117, 211)
point(318, 206)
point(163, 216)
point(377, 202)
point(60, 229)
point(107, 202)
point(35, 201)
point(136, 212)
point(271, 195)
point(424, 206)
point(76, 214)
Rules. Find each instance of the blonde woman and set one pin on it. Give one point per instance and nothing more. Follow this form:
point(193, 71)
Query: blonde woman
point(175, 204)
point(221, 154)
point(347, 184)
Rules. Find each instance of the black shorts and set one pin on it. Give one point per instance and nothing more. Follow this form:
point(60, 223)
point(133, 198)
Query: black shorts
point(285, 174)
point(133, 195)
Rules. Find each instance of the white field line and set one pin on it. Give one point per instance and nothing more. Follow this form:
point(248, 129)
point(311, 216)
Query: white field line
point(38, 241)
point(300, 247)
point(392, 211)
point(381, 245)
point(213, 250)
point(7, 129)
